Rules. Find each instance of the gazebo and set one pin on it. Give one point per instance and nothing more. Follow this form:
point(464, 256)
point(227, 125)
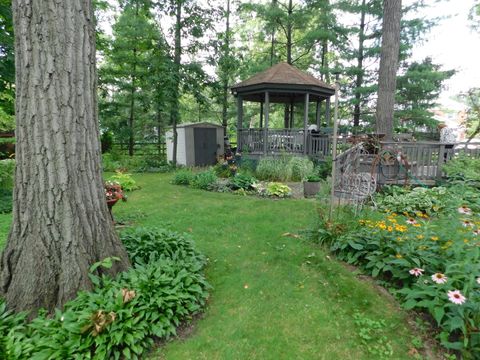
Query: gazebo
point(284, 84)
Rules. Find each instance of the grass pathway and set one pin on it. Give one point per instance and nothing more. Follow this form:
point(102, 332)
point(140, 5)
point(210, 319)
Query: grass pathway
point(273, 297)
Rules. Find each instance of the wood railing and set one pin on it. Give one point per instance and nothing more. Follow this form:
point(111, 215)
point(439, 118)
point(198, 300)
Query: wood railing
point(422, 161)
point(291, 141)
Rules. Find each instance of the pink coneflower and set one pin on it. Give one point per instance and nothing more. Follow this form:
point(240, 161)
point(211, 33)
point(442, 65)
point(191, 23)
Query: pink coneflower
point(476, 232)
point(439, 278)
point(456, 297)
point(465, 210)
point(416, 272)
point(467, 223)
point(411, 221)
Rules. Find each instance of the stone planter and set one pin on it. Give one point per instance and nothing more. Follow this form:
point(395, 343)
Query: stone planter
point(310, 188)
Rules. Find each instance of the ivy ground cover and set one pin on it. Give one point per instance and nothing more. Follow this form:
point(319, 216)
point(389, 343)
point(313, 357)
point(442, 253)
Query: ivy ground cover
point(274, 295)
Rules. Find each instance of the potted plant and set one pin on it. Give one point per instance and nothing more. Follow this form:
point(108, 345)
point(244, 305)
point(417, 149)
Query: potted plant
point(311, 185)
point(113, 193)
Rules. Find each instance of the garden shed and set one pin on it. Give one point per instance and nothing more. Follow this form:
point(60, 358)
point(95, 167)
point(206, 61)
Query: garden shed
point(199, 144)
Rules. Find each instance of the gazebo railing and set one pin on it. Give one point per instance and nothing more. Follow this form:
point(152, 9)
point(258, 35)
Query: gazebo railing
point(290, 141)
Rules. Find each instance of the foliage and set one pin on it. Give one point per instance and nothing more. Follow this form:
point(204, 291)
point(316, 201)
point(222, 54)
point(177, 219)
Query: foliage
point(371, 333)
point(324, 168)
point(5, 201)
point(242, 181)
point(464, 170)
point(114, 161)
point(204, 180)
point(120, 316)
point(313, 178)
point(125, 180)
point(411, 201)
point(283, 168)
point(472, 100)
point(145, 245)
point(183, 177)
point(225, 170)
point(7, 170)
point(278, 190)
point(427, 259)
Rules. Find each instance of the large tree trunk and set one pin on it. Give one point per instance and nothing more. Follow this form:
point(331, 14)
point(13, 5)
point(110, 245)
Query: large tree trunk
point(61, 224)
point(225, 72)
point(392, 14)
point(174, 114)
point(359, 79)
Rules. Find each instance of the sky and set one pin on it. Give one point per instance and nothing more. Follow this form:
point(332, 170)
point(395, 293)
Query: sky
point(454, 45)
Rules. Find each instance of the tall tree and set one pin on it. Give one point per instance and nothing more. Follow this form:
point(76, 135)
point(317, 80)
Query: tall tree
point(61, 224)
point(472, 100)
point(392, 14)
point(7, 67)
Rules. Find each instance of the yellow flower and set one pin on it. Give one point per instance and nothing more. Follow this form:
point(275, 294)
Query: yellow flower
point(423, 247)
point(389, 229)
point(434, 238)
point(399, 256)
point(466, 241)
point(419, 236)
point(417, 225)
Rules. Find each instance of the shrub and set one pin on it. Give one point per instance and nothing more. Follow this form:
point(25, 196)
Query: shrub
point(183, 177)
point(463, 169)
point(120, 317)
point(125, 181)
point(324, 168)
point(204, 180)
point(5, 201)
point(114, 161)
point(278, 190)
point(284, 168)
point(242, 181)
point(7, 170)
point(225, 170)
point(147, 245)
point(300, 168)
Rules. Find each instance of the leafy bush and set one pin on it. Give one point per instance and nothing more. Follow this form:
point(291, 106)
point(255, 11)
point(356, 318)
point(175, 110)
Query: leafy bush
point(225, 170)
point(433, 263)
point(5, 201)
point(114, 161)
point(120, 317)
point(242, 181)
point(283, 168)
point(278, 190)
point(411, 201)
point(463, 169)
point(147, 245)
point(204, 180)
point(183, 177)
point(7, 170)
point(324, 168)
point(125, 180)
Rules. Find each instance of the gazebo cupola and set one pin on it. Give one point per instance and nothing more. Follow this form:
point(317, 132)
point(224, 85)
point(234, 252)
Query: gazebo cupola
point(284, 84)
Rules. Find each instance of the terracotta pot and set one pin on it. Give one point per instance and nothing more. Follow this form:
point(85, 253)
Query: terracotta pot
point(310, 188)
point(112, 202)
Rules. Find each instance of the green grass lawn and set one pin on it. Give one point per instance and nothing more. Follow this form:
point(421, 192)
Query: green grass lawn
point(273, 296)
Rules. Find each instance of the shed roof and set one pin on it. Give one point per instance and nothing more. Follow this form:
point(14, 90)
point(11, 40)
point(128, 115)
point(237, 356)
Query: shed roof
point(199, 124)
point(286, 83)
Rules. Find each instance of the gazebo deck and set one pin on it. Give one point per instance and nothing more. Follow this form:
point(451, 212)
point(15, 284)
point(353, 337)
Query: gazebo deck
point(281, 141)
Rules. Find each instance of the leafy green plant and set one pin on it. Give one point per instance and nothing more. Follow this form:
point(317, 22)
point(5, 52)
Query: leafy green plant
point(125, 181)
point(324, 168)
point(242, 181)
point(312, 178)
point(371, 333)
point(7, 169)
point(183, 177)
point(300, 167)
point(119, 317)
point(463, 169)
point(278, 190)
point(5, 201)
point(204, 180)
point(284, 168)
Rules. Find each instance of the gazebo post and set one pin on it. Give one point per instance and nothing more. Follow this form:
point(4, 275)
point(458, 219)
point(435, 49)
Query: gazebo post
point(327, 112)
point(261, 114)
point(239, 122)
point(317, 115)
point(265, 128)
point(305, 123)
point(292, 113)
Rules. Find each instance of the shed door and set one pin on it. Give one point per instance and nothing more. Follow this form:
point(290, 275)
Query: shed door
point(205, 140)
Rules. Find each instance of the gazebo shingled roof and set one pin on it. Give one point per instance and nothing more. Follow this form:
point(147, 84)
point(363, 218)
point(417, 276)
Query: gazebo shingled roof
point(285, 82)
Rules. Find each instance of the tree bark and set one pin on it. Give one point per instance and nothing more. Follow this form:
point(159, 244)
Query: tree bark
point(359, 79)
point(61, 224)
point(225, 72)
point(392, 13)
point(174, 114)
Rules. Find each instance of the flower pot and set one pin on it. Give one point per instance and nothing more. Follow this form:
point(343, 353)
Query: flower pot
point(112, 202)
point(310, 188)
